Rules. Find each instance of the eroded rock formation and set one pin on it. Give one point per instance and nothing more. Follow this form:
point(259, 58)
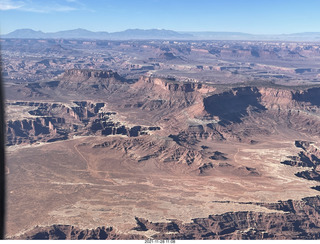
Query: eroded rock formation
point(309, 157)
point(294, 220)
point(178, 116)
point(52, 121)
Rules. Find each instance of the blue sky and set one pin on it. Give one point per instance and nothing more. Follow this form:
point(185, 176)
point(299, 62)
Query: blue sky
point(250, 16)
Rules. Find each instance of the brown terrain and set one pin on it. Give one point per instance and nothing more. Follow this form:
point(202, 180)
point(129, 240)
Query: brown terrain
point(95, 153)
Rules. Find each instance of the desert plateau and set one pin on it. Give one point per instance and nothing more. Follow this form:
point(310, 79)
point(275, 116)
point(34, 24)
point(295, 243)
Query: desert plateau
point(162, 139)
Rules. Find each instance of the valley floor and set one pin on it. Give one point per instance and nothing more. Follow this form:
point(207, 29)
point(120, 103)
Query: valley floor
point(76, 182)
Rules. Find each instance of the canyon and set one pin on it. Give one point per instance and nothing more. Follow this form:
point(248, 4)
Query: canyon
point(125, 153)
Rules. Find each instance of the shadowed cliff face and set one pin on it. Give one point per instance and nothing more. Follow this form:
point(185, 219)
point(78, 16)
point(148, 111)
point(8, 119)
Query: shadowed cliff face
point(311, 96)
point(233, 105)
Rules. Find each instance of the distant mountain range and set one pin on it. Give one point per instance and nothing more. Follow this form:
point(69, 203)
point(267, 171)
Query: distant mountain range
point(86, 34)
point(158, 34)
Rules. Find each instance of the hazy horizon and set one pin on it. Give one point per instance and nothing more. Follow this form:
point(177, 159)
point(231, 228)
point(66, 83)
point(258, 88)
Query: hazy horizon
point(178, 31)
point(254, 17)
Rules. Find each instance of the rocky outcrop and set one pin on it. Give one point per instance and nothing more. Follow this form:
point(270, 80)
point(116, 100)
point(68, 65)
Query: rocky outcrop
point(174, 158)
point(301, 221)
point(167, 152)
point(82, 74)
point(308, 157)
point(165, 93)
point(173, 85)
point(32, 130)
point(218, 156)
point(67, 232)
point(50, 122)
point(90, 80)
point(293, 220)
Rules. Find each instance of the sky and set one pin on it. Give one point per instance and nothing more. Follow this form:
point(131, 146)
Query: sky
point(249, 16)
